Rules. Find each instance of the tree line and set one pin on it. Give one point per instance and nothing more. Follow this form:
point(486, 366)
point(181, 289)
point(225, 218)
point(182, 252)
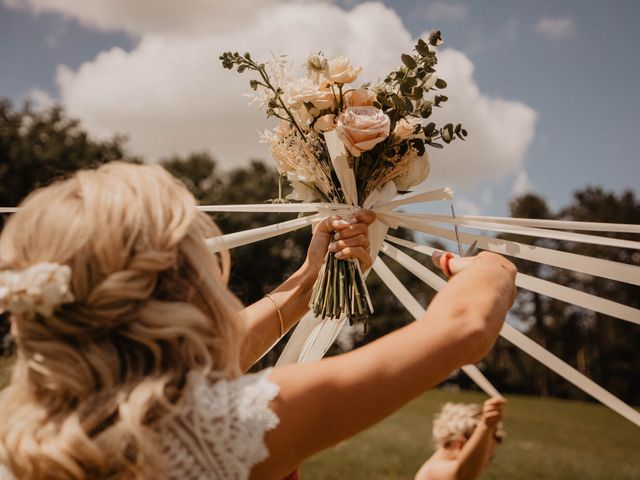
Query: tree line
point(38, 147)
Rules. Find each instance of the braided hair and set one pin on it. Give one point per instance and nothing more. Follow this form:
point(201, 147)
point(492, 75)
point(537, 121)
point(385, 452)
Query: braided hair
point(150, 304)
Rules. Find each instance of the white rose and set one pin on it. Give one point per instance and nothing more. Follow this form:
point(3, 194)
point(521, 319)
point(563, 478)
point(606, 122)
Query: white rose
point(306, 92)
point(302, 193)
point(325, 123)
point(417, 171)
point(341, 70)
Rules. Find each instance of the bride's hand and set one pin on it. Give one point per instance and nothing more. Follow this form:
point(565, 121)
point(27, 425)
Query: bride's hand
point(346, 239)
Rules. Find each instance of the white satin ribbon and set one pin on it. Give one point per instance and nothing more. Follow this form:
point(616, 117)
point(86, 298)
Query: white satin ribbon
point(237, 239)
point(341, 167)
point(553, 290)
point(621, 272)
point(427, 219)
point(514, 336)
point(558, 224)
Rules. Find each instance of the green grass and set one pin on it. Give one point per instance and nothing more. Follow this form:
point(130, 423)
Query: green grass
point(546, 439)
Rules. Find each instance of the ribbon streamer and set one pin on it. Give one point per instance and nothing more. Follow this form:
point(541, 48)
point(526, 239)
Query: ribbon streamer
point(621, 272)
point(519, 230)
point(237, 239)
point(559, 224)
point(520, 340)
point(553, 290)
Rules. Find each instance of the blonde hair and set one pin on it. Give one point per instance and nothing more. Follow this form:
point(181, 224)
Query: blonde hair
point(457, 421)
point(150, 305)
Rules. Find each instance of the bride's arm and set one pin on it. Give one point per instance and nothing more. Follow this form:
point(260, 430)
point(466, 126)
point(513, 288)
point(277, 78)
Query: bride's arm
point(292, 297)
point(323, 403)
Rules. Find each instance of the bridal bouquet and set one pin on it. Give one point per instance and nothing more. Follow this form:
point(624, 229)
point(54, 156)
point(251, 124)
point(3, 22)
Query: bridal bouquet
point(344, 144)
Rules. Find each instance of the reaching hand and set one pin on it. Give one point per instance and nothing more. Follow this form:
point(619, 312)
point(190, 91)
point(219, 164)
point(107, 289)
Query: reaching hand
point(346, 239)
point(492, 411)
point(454, 265)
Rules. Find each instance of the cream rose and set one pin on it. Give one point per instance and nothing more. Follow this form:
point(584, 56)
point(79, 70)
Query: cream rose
point(325, 123)
point(404, 128)
point(361, 97)
point(362, 128)
point(307, 92)
point(417, 171)
point(341, 70)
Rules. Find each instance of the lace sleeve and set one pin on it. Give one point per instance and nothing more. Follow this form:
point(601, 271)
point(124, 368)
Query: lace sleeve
point(220, 431)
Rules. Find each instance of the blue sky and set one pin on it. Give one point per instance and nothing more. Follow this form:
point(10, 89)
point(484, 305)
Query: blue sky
point(572, 68)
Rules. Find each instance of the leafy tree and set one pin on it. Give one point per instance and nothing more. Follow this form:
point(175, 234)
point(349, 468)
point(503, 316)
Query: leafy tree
point(37, 147)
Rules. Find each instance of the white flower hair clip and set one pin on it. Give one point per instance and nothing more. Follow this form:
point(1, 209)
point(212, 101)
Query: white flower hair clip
point(41, 288)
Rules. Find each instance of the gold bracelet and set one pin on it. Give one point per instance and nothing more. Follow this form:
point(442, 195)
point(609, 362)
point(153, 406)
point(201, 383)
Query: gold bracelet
point(268, 295)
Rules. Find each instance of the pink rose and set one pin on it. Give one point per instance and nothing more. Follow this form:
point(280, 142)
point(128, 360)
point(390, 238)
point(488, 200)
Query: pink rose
point(359, 98)
point(362, 128)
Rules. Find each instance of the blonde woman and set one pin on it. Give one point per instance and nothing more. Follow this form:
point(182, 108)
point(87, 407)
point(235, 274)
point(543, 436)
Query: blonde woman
point(130, 347)
point(465, 436)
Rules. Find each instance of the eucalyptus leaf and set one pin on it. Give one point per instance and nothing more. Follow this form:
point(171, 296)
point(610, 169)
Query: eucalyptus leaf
point(409, 61)
point(422, 48)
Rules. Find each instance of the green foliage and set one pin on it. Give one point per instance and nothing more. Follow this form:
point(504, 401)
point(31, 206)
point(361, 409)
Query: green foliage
point(276, 106)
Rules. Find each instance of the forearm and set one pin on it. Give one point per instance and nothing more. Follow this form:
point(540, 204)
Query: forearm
point(353, 391)
point(323, 403)
point(263, 320)
point(482, 291)
point(474, 453)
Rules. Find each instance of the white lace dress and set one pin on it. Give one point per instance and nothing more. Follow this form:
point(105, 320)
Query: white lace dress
point(219, 434)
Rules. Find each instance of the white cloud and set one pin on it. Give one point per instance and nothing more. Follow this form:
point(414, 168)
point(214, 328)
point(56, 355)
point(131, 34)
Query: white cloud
point(140, 17)
point(40, 99)
point(171, 95)
point(499, 130)
point(466, 206)
point(522, 184)
point(556, 28)
point(445, 12)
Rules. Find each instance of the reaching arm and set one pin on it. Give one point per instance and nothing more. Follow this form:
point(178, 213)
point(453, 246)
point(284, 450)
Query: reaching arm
point(475, 453)
point(292, 297)
point(328, 401)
